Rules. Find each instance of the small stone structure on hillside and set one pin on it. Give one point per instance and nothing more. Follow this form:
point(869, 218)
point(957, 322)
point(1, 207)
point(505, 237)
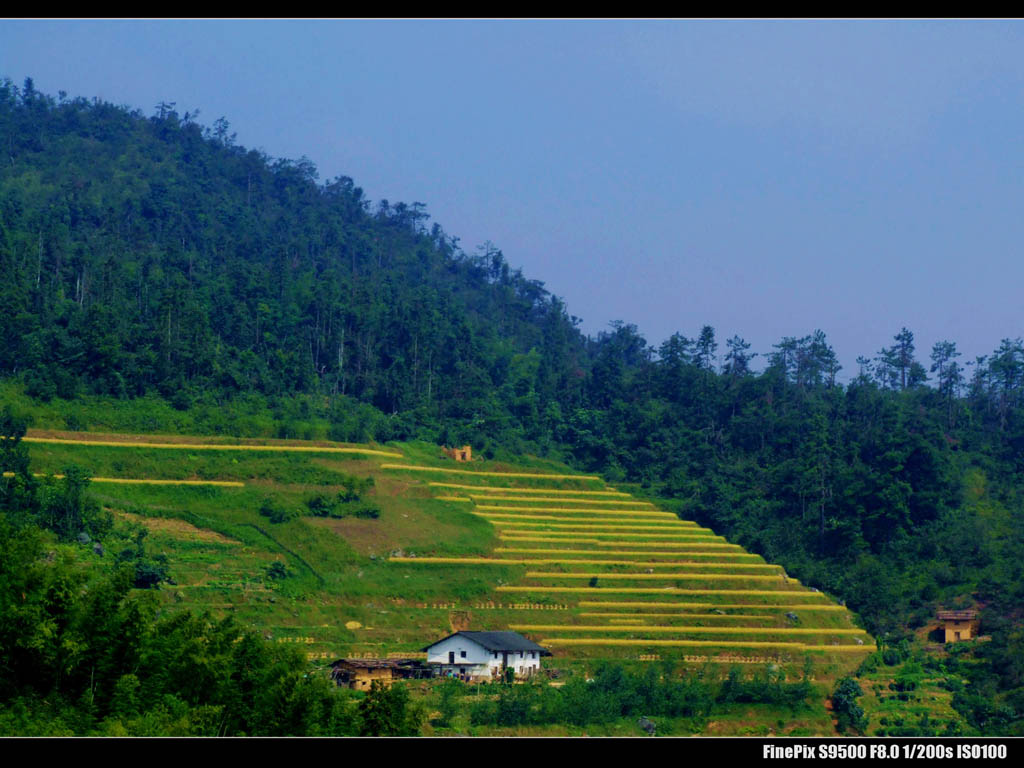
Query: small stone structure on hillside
point(465, 453)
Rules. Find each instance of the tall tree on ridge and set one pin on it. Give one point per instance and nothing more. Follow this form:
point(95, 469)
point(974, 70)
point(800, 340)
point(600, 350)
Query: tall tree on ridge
point(949, 376)
point(1006, 369)
point(737, 359)
point(707, 348)
point(897, 368)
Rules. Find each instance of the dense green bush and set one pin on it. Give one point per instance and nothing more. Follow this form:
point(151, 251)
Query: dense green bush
point(277, 571)
point(276, 512)
point(80, 655)
point(387, 710)
point(615, 692)
point(849, 714)
point(348, 502)
point(146, 572)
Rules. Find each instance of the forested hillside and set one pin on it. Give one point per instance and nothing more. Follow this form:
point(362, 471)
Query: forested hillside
point(150, 255)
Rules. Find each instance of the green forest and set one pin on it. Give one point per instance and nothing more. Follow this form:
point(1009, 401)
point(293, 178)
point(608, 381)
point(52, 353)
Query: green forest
point(152, 258)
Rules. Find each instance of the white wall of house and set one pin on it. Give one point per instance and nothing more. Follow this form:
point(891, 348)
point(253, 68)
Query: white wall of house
point(478, 661)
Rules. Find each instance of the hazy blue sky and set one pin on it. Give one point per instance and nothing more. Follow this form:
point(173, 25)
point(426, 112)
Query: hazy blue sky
point(767, 178)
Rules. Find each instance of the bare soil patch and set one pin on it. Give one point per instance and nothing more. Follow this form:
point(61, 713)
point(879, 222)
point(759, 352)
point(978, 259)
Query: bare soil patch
point(177, 528)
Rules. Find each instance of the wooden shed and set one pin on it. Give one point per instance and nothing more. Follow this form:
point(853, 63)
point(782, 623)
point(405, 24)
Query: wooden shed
point(959, 625)
point(358, 674)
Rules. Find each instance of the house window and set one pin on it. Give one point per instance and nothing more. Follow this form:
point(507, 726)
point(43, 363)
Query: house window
point(520, 654)
point(495, 654)
point(462, 670)
point(462, 654)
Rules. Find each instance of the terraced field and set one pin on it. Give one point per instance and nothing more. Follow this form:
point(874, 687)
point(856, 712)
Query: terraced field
point(279, 447)
point(199, 500)
point(583, 568)
point(631, 580)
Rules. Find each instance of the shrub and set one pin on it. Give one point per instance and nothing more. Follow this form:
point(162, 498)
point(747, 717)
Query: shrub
point(387, 711)
point(849, 714)
point(277, 570)
point(451, 690)
point(150, 573)
point(869, 665)
point(181, 400)
point(903, 684)
point(276, 512)
point(367, 511)
point(145, 573)
point(345, 504)
point(320, 505)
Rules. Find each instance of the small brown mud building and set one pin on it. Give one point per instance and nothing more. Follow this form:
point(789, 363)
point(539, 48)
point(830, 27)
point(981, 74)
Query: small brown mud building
point(959, 625)
point(465, 453)
point(358, 674)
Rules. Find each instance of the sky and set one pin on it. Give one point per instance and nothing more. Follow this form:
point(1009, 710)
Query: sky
point(767, 178)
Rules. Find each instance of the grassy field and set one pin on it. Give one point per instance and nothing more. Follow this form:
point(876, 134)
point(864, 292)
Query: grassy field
point(579, 566)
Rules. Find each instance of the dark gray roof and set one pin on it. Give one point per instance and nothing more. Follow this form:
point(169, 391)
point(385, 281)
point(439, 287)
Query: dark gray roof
point(965, 615)
point(498, 641)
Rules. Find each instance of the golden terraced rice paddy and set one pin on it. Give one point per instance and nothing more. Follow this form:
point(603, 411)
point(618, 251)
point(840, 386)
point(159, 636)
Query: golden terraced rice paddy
point(189, 446)
point(589, 570)
point(638, 581)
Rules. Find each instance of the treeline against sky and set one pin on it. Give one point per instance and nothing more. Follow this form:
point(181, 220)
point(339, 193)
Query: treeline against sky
point(147, 254)
point(152, 255)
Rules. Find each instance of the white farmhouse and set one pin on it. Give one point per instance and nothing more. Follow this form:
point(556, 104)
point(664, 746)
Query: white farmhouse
point(484, 655)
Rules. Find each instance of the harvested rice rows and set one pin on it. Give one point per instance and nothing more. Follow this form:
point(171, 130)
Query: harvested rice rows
point(146, 481)
point(635, 604)
point(543, 476)
point(498, 490)
point(216, 447)
point(637, 579)
point(732, 568)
